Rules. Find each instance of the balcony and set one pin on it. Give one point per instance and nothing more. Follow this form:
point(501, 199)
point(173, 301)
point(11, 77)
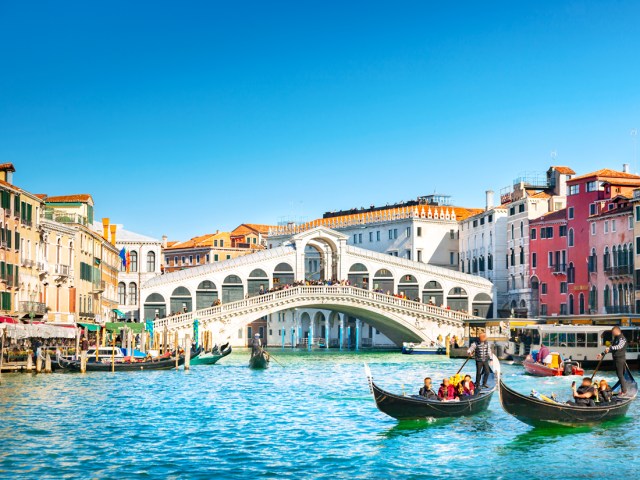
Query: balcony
point(64, 217)
point(559, 269)
point(87, 314)
point(99, 287)
point(25, 262)
point(37, 308)
point(25, 222)
point(62, 270)
point(619, 271)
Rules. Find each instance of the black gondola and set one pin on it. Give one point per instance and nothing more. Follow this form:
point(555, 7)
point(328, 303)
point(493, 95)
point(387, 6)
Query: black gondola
point(93, 366)
point(536, 412)
point(411, 407)
point(259, 361)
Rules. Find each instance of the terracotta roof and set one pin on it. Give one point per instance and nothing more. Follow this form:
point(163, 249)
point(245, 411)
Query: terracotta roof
point(41, 196)
point(605, 174)
point(80, 197)
point(615, 211)
point(245, 228)
point(205, 240)
point(563, 170)
point(540, 195)
point(551, 217)
point(7, 167)
point(629, 182)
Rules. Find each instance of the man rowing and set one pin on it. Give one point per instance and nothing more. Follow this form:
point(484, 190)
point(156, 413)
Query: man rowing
point(618, 350)
point(482, 352)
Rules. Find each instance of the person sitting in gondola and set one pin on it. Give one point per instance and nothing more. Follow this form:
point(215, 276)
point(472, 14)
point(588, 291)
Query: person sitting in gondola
point(605, 394)
point(585, 394)
point(427, 390)
point(447, 392)
point(466, 387)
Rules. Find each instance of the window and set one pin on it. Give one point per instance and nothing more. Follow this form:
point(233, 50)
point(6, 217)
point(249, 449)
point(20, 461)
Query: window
point(452, 258)
point(570, 213)
point(630, 222)
point(395, 233)
point(408, 254)
point(452, 234)
point(550, 259)
point(359, 238)
point(592, 209)
point(215, 243)
point(637, 245)
point(521, 229)
point(378, 236)
point(370, 236)
point(592, 186)
point(549, 232)
point(543, 288)
point(133, 258)
point(534, 260)
point(593, 228)
point(532, 234)
point(606, 226)
point(221, 243)
point(490, 218)
point(543, 309)
point(562, 230)
point(570, 240)
point(151, 262)
point(543, 232)
point(198, 259)
point(420, 255)
point(408, 232)
point(207, 257)
point(190, 259)
point(574, 189)
point(215, 257)
point(175, 260)
point(390, 234)
point(419, 232)
point(512, 211)
point(228, 257)
point(475, 223)
point(355, 238)
point(521, 208)
point(563, 287)
point(613, 225)
point(122, 294)
point(521, 256)
point(133, 294)
point(638, 213)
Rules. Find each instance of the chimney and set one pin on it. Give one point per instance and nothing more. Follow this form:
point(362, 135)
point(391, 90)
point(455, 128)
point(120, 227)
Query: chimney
point(6, 172)
point(625, 167)
point(164, 241)
point(489, 197)
point(113, 234)
point(105, 228)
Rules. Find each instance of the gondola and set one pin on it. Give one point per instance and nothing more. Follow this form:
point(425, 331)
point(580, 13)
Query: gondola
point(260, 360)
point(537, 412)
point(165, 363)
point(212, 356)
point(409, 407)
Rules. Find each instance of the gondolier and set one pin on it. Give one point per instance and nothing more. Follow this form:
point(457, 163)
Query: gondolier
point(256, 345)
point(618, 351)
point(482, 352)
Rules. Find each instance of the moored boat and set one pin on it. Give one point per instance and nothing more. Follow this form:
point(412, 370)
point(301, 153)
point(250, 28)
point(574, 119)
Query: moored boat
point(557, 368)
point(106, 363)
point(212, 356)
point(407, 407)
point(423, 349)
point(543, 412)
point(260, 360)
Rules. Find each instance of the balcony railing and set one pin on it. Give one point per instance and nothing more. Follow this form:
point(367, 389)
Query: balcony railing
point(36, 308)
point(619, 309)
point(62, 270)
point(88, 314)
point(560, 268)
point(28, 223)
point(64, 217)
point(25, 262)
point(99, 287)
point(41, 266)
point(619, 271)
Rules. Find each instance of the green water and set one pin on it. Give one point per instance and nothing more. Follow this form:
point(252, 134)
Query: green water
point(311, 418)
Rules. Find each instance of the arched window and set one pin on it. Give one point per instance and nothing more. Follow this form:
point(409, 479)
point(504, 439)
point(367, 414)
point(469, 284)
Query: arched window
point(607, 296)
point(593, 299)
point(581, 304)
point(122, 294)
point(133, 259)
point(521, 229)
point(133, 294)
point(151, 261)
point(490, 262)
point(606, 259)
point(571, 237)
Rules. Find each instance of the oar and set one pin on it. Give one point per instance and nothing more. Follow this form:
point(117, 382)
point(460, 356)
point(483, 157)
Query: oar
point(465, 362)
point(598, 367)
point(274, 358)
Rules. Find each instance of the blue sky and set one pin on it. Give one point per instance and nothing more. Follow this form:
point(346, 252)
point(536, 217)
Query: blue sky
point(185, 117)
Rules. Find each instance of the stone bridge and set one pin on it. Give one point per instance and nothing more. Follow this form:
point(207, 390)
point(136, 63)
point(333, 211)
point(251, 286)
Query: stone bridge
point(440, 299)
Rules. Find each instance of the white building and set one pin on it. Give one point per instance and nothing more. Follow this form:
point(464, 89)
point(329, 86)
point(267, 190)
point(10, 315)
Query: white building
point(483, 249)
point(145, 257)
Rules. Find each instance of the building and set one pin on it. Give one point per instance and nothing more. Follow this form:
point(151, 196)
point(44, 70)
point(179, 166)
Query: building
point(145, 254)
point(96, 263)
point(483, 247)
point(213, 247)
point(635, 204)
point(424, 230)
point(531, 196)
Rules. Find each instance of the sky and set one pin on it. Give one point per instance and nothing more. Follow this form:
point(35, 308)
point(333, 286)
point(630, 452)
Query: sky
point(182, 118)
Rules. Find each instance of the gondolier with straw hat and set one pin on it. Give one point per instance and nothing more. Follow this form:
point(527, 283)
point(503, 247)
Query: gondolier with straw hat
point(618, 350)
point(482, 352)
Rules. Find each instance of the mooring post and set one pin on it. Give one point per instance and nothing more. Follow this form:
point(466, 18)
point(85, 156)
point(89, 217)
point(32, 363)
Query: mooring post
point(310, 339)
point(47, 364)
point(284, 332)
point(349, 337)
point(187, 352)
point(358, 334)
point(341, 330)
point(177, 347)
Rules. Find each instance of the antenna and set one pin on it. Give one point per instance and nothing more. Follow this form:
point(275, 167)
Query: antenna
point(634, 135)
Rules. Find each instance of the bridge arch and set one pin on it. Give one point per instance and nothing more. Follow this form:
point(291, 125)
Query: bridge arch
point(433, 293)
point(155, 306)
point(206, 294)
point(283, 274)
point(257, 279)
point(232, 289)
point(458, 299)
point(482, 305)
point(383, 281)
point(409, 287)
point(180, 300)
point(358, 276)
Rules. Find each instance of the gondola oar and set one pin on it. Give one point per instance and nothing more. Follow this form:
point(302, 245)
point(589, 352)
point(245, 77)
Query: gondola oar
point(465, 362)
point(597, 367)
point(274, 358)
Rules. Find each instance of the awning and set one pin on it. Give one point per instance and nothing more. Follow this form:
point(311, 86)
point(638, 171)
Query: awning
point(116, 326)
point(118, 313)
point(8, 320)
point(91, 327)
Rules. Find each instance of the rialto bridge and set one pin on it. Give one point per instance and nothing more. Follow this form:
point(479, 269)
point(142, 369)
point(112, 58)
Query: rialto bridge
point(227, 296)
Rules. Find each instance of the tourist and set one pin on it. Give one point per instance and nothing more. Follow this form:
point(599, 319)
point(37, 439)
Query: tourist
point(605, 394)
point(618, 352)
point(467, 388)
point(447, 392)
point(482, 352)
point(427, 390)
point(585, 394)
point(543, 353)
point(84, 344)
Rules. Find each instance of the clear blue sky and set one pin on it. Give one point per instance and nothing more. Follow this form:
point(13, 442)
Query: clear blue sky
point(186, 117)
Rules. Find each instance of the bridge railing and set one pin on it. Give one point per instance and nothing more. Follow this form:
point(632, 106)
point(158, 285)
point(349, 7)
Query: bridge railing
point(329, 291)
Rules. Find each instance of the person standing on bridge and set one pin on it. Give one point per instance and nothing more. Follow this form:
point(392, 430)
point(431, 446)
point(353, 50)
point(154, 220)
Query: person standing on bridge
point(482, 352)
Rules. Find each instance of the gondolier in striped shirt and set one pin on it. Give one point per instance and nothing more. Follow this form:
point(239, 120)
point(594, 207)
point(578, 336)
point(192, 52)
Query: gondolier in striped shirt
point(482, 352)
point(618, 350)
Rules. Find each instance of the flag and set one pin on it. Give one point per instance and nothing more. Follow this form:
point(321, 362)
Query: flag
point(123, 256)
point(128, 263)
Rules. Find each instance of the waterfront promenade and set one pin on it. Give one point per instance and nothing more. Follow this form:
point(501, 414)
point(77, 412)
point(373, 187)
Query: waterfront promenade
point(312, 418)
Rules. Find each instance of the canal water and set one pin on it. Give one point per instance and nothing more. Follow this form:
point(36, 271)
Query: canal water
point(312, 417)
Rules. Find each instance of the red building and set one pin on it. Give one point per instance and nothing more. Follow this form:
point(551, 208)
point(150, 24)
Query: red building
point(548, 262)
point(564, 282)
